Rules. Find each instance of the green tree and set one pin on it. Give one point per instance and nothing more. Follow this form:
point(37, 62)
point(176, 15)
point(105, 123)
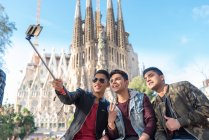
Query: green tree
point(15, 124)
point(6, 119)
point(6, 31)
point(138, 83)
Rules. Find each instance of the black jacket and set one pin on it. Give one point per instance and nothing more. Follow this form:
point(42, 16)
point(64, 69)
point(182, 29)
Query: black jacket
point(84, 101)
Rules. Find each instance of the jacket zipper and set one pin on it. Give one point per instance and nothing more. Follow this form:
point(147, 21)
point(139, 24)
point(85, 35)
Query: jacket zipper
point(190, 133)
point(176, 118)
point(96, 121)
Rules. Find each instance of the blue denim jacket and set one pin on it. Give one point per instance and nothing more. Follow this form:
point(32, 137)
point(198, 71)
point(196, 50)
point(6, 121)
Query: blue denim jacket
point(135, 113)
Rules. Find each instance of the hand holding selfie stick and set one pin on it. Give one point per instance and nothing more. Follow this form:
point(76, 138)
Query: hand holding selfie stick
point(34, 30)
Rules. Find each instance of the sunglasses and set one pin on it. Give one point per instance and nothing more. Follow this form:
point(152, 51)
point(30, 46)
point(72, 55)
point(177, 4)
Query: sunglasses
point(101, 80)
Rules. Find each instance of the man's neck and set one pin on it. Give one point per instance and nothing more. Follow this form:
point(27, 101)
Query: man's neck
point(98, 96)
point(123, 96)
point(162, 90)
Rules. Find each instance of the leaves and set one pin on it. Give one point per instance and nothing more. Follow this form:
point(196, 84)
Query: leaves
point(6, 31)
point(138, 83)
point(15, 123)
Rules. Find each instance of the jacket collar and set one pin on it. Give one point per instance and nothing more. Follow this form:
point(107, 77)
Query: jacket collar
point(132, 93)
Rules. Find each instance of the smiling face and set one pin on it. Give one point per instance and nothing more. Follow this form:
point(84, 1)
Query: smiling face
point(99, 84)
point(118, 84)
point(153, 80)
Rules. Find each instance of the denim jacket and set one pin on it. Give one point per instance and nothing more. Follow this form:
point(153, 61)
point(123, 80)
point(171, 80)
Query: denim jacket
point(135, 113)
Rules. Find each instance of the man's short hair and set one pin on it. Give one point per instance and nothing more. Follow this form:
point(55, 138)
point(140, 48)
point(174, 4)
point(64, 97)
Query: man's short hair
point(122, 73)
point(103, 72)
point(155, 69)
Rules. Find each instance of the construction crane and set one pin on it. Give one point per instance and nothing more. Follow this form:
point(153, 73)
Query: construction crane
point(38, 12)
point(36, 58)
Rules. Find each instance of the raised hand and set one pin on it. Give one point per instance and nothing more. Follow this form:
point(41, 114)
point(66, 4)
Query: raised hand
point(58, 85)
point(112, 115)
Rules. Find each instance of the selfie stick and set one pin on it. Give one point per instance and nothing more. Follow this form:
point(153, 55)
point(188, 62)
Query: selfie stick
point(34, 30)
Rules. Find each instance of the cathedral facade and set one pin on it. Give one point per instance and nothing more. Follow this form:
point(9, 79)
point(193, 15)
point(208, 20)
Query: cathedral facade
point(94, 46)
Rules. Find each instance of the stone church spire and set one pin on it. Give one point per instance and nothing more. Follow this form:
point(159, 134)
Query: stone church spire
point(120, 27)
point(97, 19)
point(110, 25)
point(89, 22)
point(77, 31)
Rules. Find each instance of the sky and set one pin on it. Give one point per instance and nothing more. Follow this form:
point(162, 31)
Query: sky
point(171, 35)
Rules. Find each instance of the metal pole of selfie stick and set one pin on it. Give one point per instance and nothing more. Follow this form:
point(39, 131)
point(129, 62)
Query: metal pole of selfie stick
point(34, 30)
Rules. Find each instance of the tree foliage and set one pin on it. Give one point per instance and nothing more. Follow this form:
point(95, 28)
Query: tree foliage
point(6, 31)
point(138, 83)
point(15, 124)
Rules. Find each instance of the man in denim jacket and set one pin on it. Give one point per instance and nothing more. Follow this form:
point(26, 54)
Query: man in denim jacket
point(132, 118)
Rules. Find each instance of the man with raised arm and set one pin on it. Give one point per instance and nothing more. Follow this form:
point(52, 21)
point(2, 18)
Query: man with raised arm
point(90, 117)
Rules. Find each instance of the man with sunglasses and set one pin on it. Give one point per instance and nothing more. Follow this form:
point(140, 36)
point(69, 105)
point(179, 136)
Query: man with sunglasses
point(90, 117)
point(132, 117)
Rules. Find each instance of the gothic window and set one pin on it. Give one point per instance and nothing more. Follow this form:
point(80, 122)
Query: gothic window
point(120, 58)
point(89, 53)
point(30, 83)
point(132, 59)
point(77, 60)
point(42, 84)
point(83, 58)
point(61, 125)
point(112, 54)
point(123, 61)
point(117, 58)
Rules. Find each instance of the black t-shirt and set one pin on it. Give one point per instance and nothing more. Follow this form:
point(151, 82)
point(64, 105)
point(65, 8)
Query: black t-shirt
point(178, 134)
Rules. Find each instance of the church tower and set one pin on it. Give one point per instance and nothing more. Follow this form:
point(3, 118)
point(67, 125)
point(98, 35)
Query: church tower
point(94, 46)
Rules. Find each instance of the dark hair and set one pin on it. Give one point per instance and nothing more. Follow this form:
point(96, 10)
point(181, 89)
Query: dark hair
point(103, 72)
point(158, 71)
point(122, 73)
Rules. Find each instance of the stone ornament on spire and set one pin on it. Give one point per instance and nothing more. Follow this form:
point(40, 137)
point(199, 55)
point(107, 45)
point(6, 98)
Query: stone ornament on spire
point(83, 79)
point(101, 50)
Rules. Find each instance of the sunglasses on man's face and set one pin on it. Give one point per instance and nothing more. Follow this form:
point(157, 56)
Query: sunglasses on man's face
point(101, 80)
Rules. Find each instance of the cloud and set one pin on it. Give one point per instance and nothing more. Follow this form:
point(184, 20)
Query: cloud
point(201, 12)
point(194, 71)
point(184, 40)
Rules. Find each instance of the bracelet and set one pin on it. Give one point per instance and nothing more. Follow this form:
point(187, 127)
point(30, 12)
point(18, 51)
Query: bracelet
point(62, 91)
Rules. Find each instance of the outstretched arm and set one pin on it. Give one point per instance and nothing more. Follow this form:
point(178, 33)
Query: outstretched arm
point(65, 96)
